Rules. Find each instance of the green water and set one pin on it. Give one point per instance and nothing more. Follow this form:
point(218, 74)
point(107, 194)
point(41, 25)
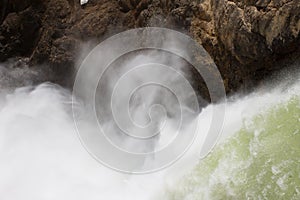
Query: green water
point(260, 161)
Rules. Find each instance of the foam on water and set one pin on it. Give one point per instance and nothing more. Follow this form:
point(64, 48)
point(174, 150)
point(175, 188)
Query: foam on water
point(259, 161)
point(41, 156)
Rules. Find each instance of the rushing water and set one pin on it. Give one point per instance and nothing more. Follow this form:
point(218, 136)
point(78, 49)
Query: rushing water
point(260, 161)
point(257, 157)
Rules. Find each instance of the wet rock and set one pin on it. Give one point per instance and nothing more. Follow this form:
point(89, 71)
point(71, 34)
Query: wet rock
point(247, 37)
point(244, 37)
point(19, 34)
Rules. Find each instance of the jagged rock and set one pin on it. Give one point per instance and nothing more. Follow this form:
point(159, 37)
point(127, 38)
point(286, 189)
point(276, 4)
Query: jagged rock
point(247, 37)
point(244, 37)
point(19, 34)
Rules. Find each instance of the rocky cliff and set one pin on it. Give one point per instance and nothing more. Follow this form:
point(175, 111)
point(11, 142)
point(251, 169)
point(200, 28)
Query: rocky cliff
point(245, 37)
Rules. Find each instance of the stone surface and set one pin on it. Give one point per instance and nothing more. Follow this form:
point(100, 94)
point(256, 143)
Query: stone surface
point(244, 37)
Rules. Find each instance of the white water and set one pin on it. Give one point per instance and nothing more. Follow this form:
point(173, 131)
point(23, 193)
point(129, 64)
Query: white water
point(42, 158)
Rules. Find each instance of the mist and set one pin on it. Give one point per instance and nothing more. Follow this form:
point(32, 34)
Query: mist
point(41, 156)
point(43, 127)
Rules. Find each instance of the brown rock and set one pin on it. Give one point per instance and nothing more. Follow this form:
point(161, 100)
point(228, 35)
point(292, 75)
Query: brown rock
point(244, 37)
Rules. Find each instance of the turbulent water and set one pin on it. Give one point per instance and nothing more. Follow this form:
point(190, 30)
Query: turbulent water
point(257, 157)
point(260, 161)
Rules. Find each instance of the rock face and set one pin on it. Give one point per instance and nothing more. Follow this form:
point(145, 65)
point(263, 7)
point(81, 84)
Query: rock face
point(247, 37)
point(244, 37)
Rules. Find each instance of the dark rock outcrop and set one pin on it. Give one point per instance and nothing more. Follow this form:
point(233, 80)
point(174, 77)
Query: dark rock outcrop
point(244, 37)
